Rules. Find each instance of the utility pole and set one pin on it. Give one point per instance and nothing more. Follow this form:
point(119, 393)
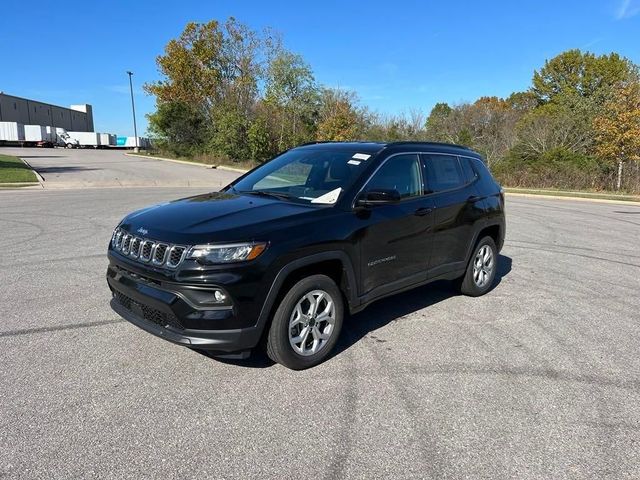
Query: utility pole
point(133, 108)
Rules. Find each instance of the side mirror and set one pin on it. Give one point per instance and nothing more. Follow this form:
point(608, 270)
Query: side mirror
point(378, 197)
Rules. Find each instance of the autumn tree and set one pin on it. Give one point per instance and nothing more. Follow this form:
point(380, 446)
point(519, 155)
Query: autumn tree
point(339, 119)
point(618, 127)
point(214, 68)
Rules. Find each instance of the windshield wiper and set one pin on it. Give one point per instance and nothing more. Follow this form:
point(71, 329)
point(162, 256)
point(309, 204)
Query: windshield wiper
point(264, 193)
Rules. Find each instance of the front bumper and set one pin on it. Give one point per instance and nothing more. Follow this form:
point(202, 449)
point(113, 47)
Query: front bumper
point(167, 314)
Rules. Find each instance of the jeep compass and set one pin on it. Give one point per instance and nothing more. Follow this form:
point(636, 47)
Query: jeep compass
point(281, 255)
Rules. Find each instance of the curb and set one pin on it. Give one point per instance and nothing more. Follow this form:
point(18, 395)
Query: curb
point(230, 169)
point(20, 185)
point(38, 176)
point(577, 199)
point(186, 162)
point(164, 159)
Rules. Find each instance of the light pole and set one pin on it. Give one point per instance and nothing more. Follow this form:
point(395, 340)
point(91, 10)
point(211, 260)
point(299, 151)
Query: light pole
point(133, 108)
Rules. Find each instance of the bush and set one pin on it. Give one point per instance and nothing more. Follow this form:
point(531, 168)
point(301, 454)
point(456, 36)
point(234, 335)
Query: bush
point(558, 168)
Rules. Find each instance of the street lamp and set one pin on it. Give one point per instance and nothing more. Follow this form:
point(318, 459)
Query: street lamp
point(133, 108)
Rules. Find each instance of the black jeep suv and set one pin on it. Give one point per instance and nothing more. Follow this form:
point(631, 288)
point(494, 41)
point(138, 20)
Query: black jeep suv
point(280, 255)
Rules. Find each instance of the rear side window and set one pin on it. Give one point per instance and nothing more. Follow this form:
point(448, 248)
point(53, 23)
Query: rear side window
point(444, 172)
point(468, 171)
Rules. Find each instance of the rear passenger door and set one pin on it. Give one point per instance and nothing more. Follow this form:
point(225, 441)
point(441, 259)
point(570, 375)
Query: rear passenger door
point(451, 181)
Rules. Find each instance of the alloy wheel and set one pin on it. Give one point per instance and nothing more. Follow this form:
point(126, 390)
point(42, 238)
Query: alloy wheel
point(483, 266)
point(312, 322)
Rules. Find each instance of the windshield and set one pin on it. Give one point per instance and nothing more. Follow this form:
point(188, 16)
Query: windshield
point(306, 175)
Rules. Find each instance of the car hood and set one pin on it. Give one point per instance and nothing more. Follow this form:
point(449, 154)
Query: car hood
point(216, 217)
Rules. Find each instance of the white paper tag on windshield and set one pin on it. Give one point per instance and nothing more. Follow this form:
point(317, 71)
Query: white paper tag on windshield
point(361, 156)
point(354, 162)
point(328, 198)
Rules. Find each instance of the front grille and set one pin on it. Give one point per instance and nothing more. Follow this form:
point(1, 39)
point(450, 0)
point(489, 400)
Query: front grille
point(134, 248)
point(148, 251)
point(175, 255)
point(148, 313)
point(160, 253)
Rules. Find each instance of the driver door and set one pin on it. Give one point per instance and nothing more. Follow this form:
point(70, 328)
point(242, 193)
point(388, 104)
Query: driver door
point(395, 238)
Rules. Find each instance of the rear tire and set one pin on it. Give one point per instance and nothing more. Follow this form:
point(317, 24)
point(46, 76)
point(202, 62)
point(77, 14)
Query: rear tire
point(307, 323)
point(481, 270)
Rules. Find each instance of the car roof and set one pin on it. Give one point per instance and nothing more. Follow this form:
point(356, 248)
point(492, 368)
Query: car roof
point(392, 147)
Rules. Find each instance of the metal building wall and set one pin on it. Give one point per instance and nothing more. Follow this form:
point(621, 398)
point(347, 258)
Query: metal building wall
point(14, 109)
point(32, 112)
point(61, 117)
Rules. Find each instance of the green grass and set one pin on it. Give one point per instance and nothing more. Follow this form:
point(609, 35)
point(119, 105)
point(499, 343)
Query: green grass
point(13, 170)
point(574, 194)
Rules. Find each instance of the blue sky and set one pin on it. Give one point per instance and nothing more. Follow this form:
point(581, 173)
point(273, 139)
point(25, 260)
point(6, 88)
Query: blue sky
point(398, 55)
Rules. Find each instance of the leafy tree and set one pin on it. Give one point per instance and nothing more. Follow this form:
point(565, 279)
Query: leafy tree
point(552, 127)
point(339, 120)
point(259, 139)
point(229, 134)
point(439, 122)
point(215, 69)
point(577, 74)
point(179, 127)
point(208, 64)
point(292, 92)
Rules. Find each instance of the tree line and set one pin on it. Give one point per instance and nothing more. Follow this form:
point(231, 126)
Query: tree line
point(231, 93)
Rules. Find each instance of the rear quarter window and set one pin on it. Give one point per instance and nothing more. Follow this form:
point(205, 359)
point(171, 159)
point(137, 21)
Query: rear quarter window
point(467, 169)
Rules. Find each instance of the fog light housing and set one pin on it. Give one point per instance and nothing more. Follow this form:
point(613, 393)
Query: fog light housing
point(207, 297)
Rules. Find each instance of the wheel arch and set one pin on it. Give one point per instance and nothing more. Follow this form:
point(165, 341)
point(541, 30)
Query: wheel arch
point(335, 264)
point(494, 230)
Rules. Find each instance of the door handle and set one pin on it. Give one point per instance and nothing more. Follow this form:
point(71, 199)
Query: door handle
point(421, 212)
point(473, 199)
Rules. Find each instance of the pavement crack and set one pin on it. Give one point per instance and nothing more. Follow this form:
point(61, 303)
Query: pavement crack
point(71, 326)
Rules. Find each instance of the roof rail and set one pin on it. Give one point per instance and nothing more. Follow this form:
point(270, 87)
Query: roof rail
point(412, 142)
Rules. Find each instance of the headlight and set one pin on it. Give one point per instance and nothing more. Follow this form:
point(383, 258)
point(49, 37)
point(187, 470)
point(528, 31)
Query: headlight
point(237, 252)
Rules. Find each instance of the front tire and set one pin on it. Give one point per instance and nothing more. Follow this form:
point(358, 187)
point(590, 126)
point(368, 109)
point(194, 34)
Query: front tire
point(307, 323)
point(481, 271)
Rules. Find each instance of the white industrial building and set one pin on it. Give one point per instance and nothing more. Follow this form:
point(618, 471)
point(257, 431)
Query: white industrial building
point(77, 118)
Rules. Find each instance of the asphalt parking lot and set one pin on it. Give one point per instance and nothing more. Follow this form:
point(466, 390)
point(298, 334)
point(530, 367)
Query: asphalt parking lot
point(86, 168)
point(539, 379)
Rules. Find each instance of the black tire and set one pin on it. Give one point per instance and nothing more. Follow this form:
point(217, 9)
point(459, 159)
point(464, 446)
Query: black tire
point(467, 283)
point(279, 348)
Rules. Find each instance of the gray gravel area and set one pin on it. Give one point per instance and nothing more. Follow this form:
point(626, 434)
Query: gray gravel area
point(538, 379)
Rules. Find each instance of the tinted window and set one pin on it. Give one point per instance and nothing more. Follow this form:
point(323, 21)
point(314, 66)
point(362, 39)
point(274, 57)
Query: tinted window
point(444, 172)
point(467, 169)
point(401, 173)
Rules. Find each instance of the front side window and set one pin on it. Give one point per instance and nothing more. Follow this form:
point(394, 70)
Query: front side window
point(444, 172)
point(400, 173)
point(307, 175)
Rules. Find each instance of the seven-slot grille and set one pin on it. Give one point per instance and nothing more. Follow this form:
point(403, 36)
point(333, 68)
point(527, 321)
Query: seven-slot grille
point(148, 251)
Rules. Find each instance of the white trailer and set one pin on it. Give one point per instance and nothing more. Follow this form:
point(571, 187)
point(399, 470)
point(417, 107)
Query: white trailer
point(11, 132)
point(107, 140)
point(36, 133)
point(86, 139)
